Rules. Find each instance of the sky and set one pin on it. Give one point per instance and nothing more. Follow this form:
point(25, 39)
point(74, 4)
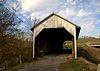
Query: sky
point(85, 13)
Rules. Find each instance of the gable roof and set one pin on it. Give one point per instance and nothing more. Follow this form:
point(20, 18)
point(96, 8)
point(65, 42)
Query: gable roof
point(51, 16)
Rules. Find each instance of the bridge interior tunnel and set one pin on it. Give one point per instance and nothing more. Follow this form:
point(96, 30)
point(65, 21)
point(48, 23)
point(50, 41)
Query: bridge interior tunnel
point(50, 40)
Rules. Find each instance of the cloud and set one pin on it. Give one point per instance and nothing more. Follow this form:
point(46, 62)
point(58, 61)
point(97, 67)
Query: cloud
point(96, 2)
point(28, 4)
point(96, 5)
point(81, 12)
point(72, 2)
point(38, 5)
point(39, 8)
point(87, 25)
point(68, 12)
point(98, 22)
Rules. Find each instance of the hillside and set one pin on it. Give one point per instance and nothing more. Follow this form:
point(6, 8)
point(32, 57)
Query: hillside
point(88, 57)
point(84, 48)
point(83, 41)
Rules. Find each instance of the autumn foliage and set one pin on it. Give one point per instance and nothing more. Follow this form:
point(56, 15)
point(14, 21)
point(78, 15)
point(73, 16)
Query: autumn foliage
point(14, 47)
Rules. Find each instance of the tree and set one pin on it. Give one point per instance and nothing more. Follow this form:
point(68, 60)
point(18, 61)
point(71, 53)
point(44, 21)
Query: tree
point(8, 22)
point(14, 46)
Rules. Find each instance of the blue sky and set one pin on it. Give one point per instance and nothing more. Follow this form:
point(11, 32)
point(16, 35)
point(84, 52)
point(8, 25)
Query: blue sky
point(85, 13)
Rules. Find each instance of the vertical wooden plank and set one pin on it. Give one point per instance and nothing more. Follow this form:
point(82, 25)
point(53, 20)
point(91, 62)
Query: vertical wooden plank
point(75, 45)
point(73, 51)
point(98, 68)
point(34, 43)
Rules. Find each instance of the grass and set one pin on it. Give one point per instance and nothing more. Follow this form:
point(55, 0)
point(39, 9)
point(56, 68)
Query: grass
point(19, 66)
point(65, 67)
point(82, 41)
point(73, 65)
point(88, 39)
point(70, 65)
point(79, 65)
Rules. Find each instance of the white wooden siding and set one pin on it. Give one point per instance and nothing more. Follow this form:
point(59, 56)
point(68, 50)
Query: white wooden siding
point(55, 22)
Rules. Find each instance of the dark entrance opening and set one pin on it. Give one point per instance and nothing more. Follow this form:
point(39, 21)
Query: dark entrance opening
point(50, 40)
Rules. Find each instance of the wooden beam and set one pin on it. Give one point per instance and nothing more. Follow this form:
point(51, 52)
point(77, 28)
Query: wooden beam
point(73, 51)
point(33, 44)
point(74, 48)
point(75, 45)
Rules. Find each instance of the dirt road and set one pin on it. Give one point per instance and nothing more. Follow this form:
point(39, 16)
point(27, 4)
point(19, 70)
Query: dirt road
point(48, 63)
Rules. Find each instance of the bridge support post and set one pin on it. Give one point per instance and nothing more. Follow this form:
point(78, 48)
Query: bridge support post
point(33, 44)
point(75, 45)
point(74, 49)
point(73, 52)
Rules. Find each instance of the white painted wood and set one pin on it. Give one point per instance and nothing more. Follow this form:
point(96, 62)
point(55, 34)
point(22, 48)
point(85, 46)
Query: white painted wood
point(73, 49)
point(55, 22)
point(75, 45)
point(34, 43)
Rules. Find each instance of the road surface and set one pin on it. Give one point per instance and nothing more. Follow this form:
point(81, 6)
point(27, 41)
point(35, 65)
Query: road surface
point(48, 63)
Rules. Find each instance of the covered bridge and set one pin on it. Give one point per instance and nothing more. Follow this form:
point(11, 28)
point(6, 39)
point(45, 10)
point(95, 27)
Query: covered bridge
point(50, 34)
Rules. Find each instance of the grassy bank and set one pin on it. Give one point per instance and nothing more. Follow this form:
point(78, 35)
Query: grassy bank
point(20, 66)
point(88, 56)
point(73, 65)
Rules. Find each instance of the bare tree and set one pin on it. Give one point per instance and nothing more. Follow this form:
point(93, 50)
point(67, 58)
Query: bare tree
point(8, 21)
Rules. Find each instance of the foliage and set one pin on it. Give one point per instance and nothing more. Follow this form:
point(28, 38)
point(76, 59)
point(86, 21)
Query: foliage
point(79, 66)
point(14, 48)
point(11, 48)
